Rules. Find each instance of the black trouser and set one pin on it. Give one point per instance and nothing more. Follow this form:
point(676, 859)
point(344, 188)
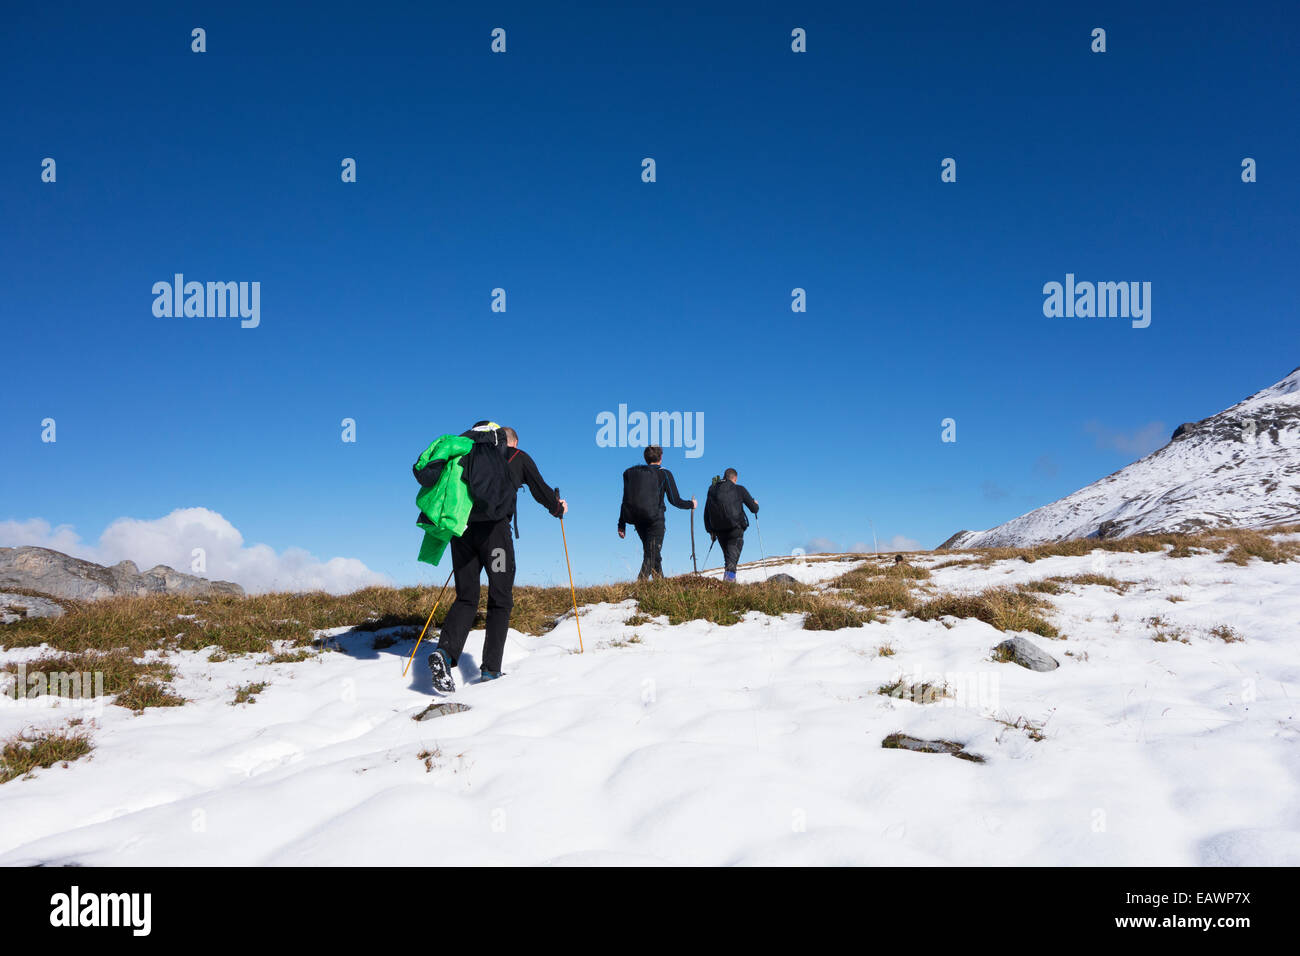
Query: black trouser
point(652, 547)
point(731, 542)
point(484, 545)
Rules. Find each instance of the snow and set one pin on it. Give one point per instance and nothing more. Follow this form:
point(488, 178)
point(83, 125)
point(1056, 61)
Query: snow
point(1239, 468)
point(756, 743)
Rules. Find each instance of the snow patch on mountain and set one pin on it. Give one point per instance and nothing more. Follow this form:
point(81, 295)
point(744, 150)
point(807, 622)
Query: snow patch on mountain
point(1239, 468)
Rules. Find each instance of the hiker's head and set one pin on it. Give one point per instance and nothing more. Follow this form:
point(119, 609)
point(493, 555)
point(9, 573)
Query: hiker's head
point(653, 455)
point(512, 437)
point(731, 474)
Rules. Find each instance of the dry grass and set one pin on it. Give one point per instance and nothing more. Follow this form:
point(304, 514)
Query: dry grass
point(236, 625)
point(247, 693)
point(831, 615)
point(22, 754)
point(1243, 545)
point(1100, 580)
point(1045, 586)
point(881, 586)
point(1240, 545)
point(121, 671)
point(1006, 609)
point(918, 693)
point(148, 693)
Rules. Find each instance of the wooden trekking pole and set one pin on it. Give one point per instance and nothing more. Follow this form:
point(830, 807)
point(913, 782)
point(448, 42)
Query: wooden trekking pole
point(695, 566)
point(572, 592)
point(428, 622)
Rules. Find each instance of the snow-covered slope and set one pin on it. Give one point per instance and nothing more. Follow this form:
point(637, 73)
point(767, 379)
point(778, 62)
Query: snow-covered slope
point(1239, 468)
point(757, 743)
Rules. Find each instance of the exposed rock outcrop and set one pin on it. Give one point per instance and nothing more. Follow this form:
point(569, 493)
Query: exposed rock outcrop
point(62, 576)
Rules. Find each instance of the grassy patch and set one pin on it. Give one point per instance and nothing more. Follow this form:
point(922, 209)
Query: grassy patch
point(1165, 631)
point(293, 657)
point(880, 586)
point(1228, 635)
point(831, 615)
point(247, 693)
point(1006, 609)
point(1100, 580)
point(148, 693)
point(31, 750)
point(918, 693)
point(121, 671)
point(1243, 545)
point(1045, 586)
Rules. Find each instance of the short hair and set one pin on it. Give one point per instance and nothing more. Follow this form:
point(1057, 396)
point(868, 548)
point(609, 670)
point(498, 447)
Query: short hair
point(730, 473)
point(653, 454)
point(511, 435)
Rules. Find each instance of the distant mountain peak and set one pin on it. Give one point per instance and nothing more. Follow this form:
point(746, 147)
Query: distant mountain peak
point(1239, 468)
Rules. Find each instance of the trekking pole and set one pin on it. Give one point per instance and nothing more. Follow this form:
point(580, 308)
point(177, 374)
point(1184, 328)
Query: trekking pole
point(708, 552)
point(572, 592)
point(761, 553)
point(693, 564)
point(428, 622)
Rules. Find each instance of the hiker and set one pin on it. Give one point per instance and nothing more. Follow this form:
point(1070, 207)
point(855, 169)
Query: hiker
point(494, 470)
point(644, 488)
point(724, 518)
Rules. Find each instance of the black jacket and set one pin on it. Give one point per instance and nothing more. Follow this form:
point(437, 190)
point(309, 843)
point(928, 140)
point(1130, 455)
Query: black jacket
point(523, 471)
point(497, 472)
point(644, 488)
point(723, 509)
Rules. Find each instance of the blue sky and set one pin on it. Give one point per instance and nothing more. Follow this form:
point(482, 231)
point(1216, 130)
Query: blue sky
point(522, 170)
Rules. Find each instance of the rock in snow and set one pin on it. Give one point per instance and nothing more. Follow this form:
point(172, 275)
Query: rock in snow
point(1239, 468)
point(63, 576)
point(1026, 654)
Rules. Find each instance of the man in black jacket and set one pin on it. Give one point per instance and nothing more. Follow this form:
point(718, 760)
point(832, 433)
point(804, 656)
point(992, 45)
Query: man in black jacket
point(644, 488)
point(724, 518)
point(494, 471)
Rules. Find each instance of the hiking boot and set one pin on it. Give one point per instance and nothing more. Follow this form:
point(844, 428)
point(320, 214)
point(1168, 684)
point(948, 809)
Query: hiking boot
point(729, 576)
point(440, 668)
point(486, 675)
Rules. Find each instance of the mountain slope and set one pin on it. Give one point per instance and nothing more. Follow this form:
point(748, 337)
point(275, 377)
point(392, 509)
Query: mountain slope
point(1239, 468)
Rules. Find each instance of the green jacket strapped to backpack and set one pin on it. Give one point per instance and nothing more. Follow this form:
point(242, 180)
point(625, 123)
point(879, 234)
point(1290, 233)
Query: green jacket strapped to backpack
point(444, 507)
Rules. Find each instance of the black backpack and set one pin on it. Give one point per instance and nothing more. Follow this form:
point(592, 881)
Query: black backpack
point(487, 476)
point(642, 494)
point(723, 506)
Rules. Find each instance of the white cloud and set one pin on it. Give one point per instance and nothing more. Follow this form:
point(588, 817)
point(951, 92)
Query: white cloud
point(821, 546)
point(901, 542)
point(172, 539)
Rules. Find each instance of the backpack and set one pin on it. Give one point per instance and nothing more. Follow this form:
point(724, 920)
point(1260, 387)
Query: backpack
point(722, 507)
point(642, 494)
point(487, 476)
